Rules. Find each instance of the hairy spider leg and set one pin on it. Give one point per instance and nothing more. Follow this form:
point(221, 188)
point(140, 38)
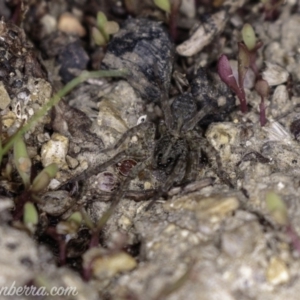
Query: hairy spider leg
point(197, 117)
point(194, 156)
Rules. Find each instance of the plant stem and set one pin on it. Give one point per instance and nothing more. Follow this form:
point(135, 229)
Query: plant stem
point(294, 237)
point(262, 113)
point(242, 98)
point(19, 209)
point(94, 242)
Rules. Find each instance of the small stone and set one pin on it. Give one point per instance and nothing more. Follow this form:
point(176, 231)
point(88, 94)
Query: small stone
point(72, 57)
point(242, 240)
point(106, 265)
point(223, 136)
point(9, 120)
point(70, 24)
point(118, 111)
point(6, 203)
point(188, 8)
point(43, 137)
point(55, 151)
point(49, 23)
point(280, 101)
point(277, 271)
point(274, 74)
point(214, 208)
point(55, 203)
point(144, 48)
point(72, 162)
point(113, 264)
point(125, 223)
point(4, 97)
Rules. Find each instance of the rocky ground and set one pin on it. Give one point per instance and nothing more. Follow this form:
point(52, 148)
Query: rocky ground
point(209, 234)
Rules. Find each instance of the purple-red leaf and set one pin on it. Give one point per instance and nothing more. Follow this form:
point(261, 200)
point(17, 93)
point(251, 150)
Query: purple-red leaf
point(226, 75)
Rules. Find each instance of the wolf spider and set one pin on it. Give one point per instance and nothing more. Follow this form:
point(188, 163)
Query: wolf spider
point(171, 149)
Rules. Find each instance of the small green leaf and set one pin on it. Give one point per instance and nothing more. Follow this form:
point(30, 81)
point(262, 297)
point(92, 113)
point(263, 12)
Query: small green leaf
point(249, 37)
point(111, 27)
point(164, 5)
point(22, 161)
point(101, 22)
point(76, 217)
point(98, 37)
point(70, 226)
point(277, 208)
point(30, 216)
point(101, 19)
point(42, 180)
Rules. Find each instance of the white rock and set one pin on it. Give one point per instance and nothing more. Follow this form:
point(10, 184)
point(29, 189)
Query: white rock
point(4, 97)
point(280, 103)
point(188, 8)
point(274, 74)
point(277, 271)
point(55, 151)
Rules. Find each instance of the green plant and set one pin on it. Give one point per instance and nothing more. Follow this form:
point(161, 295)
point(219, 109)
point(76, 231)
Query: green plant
point(30, 217)
point(247, 52)
point(64, 232)
point(171, 8)
point(164, 5)
point(278, 210)
point(31, 189)
point(101, 33)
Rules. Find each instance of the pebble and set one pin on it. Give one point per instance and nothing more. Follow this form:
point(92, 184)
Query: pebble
point(274, 74)
point(277, 271)
point(55, 151)
point(70, 24)
point(4, 97)
point(105, 265)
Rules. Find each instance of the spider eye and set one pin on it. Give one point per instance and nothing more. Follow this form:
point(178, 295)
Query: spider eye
point(169, 160)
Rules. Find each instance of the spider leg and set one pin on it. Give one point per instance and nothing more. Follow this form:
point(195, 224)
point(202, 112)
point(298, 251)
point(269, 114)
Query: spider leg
point(164, 102)
point(140, 195)
point(193, 159)
point(136, 196)
point(194, 120)
point(149, 129)
point(146, 126)
point(121, 192)
point(166, 108)
point(218, 169)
